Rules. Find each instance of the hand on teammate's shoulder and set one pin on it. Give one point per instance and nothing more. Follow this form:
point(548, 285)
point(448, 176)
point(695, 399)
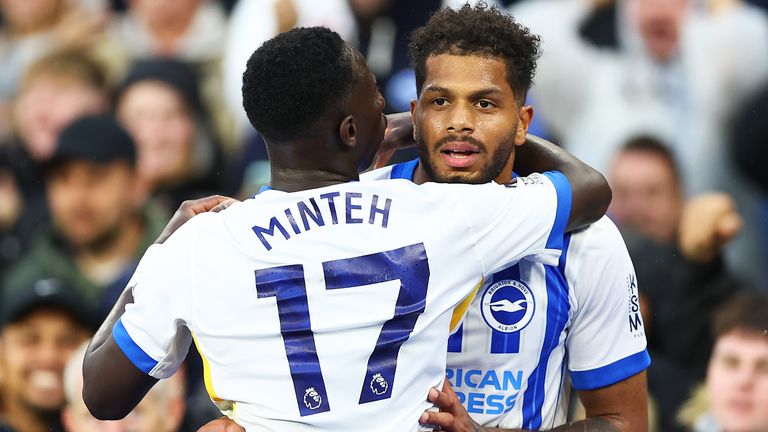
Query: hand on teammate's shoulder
point(190, 208)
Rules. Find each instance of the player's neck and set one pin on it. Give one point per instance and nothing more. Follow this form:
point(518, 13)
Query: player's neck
point(420, 175)
point(293, 180)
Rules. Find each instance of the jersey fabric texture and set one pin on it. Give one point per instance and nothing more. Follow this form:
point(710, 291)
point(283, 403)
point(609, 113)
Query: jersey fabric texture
point(330, 308)
point(535, 330)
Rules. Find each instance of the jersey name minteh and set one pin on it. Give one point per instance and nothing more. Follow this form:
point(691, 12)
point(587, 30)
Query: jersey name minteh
point(331, 308)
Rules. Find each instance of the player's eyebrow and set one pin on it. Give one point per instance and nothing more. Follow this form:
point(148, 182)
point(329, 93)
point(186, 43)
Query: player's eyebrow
point(490, 91)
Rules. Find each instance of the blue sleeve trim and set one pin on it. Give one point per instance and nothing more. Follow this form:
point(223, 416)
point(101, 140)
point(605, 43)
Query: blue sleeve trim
point(563, 189)
point(612, 373)
point(135, 354)
point(404, 170)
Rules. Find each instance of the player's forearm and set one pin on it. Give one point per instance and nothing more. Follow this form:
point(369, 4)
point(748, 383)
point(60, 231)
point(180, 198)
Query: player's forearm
point(591, 194)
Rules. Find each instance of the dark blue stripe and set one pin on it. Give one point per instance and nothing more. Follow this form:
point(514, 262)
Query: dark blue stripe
point(135, 354)
point(404, 170)
point(455, 340)
point(557, 316)
point(506, 343)
point(564, 196)
point(612, 373)
point(287, 285)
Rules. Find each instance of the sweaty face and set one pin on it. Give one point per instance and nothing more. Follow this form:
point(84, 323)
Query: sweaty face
point(156, 116)
point(646, 195)
point(34, 353)
point(737, 381)
point(91, 202)
point(466, 120)
point(46, 106)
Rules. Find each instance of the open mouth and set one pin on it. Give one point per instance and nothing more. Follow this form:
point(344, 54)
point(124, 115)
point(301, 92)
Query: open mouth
point(459, 154)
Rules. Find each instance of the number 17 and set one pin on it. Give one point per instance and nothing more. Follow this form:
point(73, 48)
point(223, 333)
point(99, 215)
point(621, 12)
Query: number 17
point(408, 264)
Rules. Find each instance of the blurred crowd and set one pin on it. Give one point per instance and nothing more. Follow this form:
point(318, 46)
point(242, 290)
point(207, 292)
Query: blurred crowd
point(112, 113)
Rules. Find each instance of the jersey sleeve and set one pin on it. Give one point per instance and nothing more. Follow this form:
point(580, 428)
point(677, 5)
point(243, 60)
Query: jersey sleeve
point(152, 331)
point(524, 219)
point(606, 342)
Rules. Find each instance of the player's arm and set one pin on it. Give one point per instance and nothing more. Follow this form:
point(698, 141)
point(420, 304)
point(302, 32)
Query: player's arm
point(608, 410)
point(591, 194)
point(112, 384)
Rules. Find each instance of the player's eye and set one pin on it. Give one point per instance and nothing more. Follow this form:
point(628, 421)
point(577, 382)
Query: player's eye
point(440, 101)
point(484, 104)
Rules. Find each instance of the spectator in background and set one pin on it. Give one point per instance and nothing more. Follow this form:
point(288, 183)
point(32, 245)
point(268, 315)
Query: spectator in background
point(676, 246)
point(34, 28)
point(101, 227)
point(56, 90)
point(16, 227)
point(161, 410)
point(178, 155)
point(735, 395)
point(189, 30)
point(675, 69)
point(42, 324)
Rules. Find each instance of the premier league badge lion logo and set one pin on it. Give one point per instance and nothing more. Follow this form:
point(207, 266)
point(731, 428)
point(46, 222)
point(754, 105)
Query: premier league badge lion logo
point(312, 398)
point(379, 385)
point(508, 306)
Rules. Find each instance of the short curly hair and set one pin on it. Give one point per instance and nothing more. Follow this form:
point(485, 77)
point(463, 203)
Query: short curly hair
point(478, 30)
point(293, 79)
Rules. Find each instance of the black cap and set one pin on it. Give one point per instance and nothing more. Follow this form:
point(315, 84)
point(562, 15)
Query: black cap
point(95, 138)
point(176, 74)
point(51, 292)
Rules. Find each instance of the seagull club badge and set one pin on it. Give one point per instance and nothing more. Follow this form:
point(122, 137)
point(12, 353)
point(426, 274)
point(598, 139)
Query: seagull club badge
point(507, 306)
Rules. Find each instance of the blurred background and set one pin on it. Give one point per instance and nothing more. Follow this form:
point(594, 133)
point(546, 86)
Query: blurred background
point(114, 112)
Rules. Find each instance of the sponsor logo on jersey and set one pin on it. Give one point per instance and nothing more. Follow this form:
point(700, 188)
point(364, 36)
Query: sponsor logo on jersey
point(635, 321)
point(508, 306)
point(379, 385)
point(312, 398)
point(490, 392)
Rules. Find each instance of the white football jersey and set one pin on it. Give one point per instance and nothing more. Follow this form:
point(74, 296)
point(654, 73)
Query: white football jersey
point(330, 309)
point(535, 330)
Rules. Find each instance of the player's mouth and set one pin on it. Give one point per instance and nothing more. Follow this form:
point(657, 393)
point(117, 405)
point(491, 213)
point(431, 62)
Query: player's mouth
point(459, 154)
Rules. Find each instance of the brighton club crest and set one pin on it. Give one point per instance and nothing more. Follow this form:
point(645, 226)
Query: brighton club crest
point(312, 398)
point(379, 385)
point(508, 306)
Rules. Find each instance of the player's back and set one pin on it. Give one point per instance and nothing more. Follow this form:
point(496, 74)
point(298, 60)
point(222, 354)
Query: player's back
point(330, 308)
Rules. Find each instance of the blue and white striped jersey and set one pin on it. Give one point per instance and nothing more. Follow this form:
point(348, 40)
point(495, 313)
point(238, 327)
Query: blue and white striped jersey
point(330, 309)
point(535, 330)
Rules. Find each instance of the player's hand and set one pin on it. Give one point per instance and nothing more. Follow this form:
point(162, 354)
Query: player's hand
point(398, 135)
point(453, 417)
point(708, 223)
point(223, 424)
point(190, 208)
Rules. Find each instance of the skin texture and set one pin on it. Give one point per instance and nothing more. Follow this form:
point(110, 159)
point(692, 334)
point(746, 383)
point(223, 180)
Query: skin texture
point(467, 101)
point(33, 353)
point(737, 381)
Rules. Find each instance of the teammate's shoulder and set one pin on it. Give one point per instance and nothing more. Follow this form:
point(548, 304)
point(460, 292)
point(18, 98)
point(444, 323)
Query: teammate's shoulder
point(382, 173)
point(602, 235)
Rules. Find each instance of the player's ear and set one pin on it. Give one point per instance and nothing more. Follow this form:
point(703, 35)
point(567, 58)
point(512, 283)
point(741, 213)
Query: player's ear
point(348, 131)
point(524, 117)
